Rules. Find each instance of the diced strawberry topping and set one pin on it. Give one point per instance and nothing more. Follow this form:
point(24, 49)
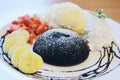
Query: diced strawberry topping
point(32, 24)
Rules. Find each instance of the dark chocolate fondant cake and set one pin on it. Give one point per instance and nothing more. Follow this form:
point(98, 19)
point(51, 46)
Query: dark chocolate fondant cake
point(61, 47)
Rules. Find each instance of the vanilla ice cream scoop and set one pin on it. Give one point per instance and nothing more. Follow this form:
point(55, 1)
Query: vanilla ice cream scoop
point(67, 15)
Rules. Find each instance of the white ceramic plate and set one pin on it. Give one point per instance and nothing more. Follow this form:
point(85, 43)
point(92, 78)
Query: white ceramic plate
point(11, 10)
point(98, 65)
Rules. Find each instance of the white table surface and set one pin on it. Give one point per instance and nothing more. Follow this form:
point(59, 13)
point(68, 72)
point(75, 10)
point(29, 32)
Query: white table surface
point(9, 9)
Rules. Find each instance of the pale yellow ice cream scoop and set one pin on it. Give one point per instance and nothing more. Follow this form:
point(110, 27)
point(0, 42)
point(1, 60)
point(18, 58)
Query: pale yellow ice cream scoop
point(67, 15)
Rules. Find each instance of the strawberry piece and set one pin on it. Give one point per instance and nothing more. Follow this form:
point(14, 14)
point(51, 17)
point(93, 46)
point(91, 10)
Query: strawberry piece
point(32, 37)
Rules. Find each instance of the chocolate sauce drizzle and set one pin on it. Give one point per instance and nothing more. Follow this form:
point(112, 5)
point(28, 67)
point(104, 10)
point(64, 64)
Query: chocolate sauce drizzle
point(107, 53)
